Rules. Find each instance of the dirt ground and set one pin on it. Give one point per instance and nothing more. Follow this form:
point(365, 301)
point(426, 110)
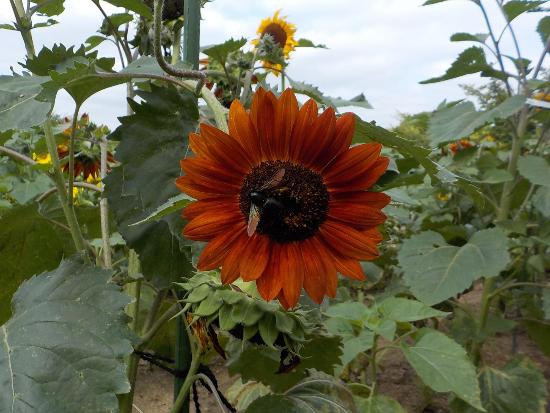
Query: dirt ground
point(396, 377)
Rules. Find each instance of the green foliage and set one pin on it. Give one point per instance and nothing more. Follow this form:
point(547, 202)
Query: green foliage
point(535, 168)
point(468, 37)
point(314, 93)
point(457, 121)
point(317, 393)
point(309, 43)
point(137, 6)
point(49, 7)
point(471, 60)
point(514, 8)
point(221, 51)
point(436, 271)
point(152, 141)
point(378, 404)
point(543, 29)
point(541, 201)
point(443, 365)
point(19, 108)
point(62, 350)
point(176, 203)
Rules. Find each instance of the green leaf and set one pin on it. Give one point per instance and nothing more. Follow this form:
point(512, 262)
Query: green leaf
point(25, 191)
point(543, 29)
point(176, 203)
point(240, 394)
point(117, 20)
point(47, 23)
point(444, 366)
point(378, 404)
point(316, 394)
point(94, 41)
point(261, 363)
point(455, 122)
point(309, 43)
point(348, 310)
point(50, 7)
point(220, 52)
point(268, 330)
point(514, 8)
point(6, 26)
point(359, 101)
point(406, 310)
point(428, 2)
point(471, 60)
point(541, 201)
point(436, 271)
point(137, 6)
point(352, 346)
point(153, 140)
point(62, 351)
point(496, 176)
point(468, 37)
point(535, 168)
point(19, 108)
point(314, 93)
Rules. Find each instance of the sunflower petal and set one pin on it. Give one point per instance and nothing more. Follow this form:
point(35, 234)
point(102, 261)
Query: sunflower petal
point(292, 272)
point(207, 226)
point(255, 257)
point(349, 242)
point(213, 254)
point(270, 283)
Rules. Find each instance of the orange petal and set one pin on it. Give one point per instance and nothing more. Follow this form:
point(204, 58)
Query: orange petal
point(213, 254)
point(207, 226)
point(255, 257)
point(211, 206)
point(286, 305)
point(286, 113)
point(264, 120)
point(352, 163)
point(225, 149)
point(319, 139)
point(341, 139)
point(242, 128)
point(331, 283)
point(355, 214)
point(314, 270)
point(231, 263)
point(302, 128)
point(347, 241)
point(204, 189)
point(292, 272)
point(349, 267)
point(372, 199)
point(270, 283)
point(204, 170)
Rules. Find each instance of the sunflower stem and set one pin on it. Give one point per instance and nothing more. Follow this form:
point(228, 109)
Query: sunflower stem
point(248, 79)
point(71, 154)
point(192, 32)
point(104, 209)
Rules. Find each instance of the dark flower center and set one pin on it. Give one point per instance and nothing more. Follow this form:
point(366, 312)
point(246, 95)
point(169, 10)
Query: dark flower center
point(277, 32)
point(291, 208)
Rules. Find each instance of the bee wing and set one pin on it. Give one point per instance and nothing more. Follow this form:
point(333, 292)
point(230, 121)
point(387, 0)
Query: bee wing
point(275, 180)
point(253, 220)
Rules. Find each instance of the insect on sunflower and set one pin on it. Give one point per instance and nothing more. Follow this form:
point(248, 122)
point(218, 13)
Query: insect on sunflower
point(282, 32)
point(283, 199)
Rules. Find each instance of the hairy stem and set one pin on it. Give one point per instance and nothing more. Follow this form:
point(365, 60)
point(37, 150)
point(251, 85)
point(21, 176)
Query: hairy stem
point(104, 209)
point(17, 156)
point(24, 25)
point(71, 153)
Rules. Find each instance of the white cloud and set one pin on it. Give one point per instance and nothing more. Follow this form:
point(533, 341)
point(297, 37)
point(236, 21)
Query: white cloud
point(380, 47)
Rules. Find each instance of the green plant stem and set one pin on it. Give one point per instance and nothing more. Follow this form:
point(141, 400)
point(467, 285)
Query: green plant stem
point(17, 156)
point(523, 74)
point(71, 153)
point(153, 311)
point(192, 32)
point(176, 47)
point(104, 209)
point(59, 182)
point(248, 79)
point(157, 325)
point(24, 25)
point(113, 29)
point(183, 393)
point(373, 361)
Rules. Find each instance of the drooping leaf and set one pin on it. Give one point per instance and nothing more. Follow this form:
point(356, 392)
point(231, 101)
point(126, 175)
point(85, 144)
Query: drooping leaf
point(54, 59)
point(262, 363)
point(220, 52)
point(406, 310)
point(6, 26)
point(428, 2)
point(535, 168)
point(378, 404)
point(50, 7)
point(461, 120)
point(436, 271)
point(468, 37)
point(358, 101)
point(137, 6)
point(314, 93)
point(541, 201)
point(62, 351)
point(543, 29)
point(514, 8)
point(93, 41)
point(471, 60)
point(368, 132)
point(153, 140)
point(309, 43)
point(19, 108)
point(444, 366)
point(319, 393)
point(241, 395)
point(176, 203)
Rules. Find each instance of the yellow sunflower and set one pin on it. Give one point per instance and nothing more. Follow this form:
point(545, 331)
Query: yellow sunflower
point(282, 32)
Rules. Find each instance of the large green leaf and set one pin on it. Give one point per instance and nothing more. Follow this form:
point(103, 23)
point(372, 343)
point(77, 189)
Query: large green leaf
point(535, 168)
point(316, 394)
point(436, 271)
point(152, 142)
point(461, 120)
point(62, 350)
point(468, 37)
point(471, 60)
point(19, 108)
point(543, 29)
point(314, 93)
point(444, 366)
point(262, 363)
point(406, 310)
point(514, 8)
point(29, 244)
point(50, 7)
point(541, 201)
point(378, 404)
point(176, 203)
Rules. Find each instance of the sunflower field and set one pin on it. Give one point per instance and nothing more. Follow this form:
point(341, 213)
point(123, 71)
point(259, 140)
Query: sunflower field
point(239, 242)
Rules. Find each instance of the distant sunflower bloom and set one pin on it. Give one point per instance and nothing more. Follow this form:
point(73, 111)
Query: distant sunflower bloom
point(42, 158)
point(282, 33)
point(283, 199)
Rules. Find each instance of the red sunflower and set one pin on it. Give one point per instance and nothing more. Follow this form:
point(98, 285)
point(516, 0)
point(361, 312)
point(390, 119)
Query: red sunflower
point(283, 199)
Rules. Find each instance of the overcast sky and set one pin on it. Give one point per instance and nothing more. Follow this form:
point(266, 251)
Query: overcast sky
point(382, 48)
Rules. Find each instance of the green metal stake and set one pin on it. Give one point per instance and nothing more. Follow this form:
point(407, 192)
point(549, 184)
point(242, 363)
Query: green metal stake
point(191, 49)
